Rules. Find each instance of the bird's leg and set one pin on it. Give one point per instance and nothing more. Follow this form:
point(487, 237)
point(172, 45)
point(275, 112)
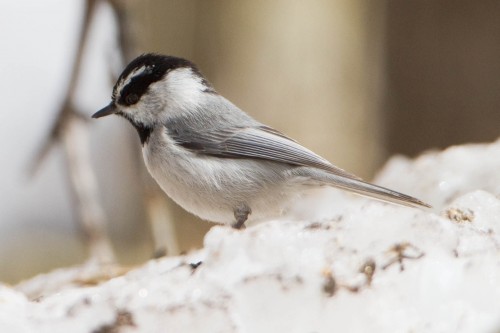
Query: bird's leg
point(241, 213)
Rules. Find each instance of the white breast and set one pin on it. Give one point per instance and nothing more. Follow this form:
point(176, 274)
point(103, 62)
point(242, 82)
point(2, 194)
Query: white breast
point(211, 187)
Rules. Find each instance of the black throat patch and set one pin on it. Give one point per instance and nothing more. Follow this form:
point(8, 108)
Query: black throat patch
point(143, 131)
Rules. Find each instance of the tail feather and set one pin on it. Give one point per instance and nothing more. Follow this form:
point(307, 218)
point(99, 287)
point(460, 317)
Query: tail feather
point(363, 188)
point(380, 193)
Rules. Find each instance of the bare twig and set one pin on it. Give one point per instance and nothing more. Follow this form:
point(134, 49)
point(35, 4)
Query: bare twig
point(75, 138)
point(159, 213)
point(69, 128)
point(126, 37)
point(65, 111)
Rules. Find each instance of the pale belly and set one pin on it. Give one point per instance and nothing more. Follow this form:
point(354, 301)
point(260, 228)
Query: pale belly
point(212, 187)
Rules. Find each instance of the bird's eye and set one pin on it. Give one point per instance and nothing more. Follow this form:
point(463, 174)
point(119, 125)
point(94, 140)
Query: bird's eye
point(131, 99)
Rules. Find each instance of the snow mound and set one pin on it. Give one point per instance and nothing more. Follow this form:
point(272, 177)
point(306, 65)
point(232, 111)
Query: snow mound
point(363, 266)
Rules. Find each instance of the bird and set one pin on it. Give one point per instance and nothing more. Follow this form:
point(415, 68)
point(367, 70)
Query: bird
point(212, 158)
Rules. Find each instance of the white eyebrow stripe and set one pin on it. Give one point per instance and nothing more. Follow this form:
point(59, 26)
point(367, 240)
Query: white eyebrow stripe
point(124, 81)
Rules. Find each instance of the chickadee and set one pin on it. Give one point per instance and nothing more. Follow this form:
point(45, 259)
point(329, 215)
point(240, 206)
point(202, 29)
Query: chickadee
point(212, 158)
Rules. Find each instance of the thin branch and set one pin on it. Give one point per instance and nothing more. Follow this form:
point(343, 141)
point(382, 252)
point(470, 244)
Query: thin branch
point(159, 212)
point(65, 111)
point(70, 130)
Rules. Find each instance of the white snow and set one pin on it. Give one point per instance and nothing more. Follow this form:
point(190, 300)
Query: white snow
point(368, 267)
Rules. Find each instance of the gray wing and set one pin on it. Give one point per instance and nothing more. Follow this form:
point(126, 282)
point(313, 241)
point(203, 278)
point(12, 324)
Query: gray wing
point(262, 142)
point(259, 142)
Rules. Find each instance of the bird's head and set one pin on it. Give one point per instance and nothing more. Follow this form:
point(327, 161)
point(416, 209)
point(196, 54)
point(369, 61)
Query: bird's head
point(154, 87)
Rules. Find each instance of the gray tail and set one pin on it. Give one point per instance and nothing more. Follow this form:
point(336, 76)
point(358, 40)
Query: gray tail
point(380, 193)
point(366, 189)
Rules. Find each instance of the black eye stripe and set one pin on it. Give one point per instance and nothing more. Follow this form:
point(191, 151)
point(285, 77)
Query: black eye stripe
point(133, 91)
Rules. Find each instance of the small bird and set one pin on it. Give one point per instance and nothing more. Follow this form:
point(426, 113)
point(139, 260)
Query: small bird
point(212, 158)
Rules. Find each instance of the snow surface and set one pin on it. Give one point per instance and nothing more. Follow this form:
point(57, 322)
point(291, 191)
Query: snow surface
point(357, 265)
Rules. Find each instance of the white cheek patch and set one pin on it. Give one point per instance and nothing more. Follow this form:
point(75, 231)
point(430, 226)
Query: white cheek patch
point(180, 90)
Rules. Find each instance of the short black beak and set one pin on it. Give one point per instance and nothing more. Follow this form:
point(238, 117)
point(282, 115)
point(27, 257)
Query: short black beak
point(106, 111)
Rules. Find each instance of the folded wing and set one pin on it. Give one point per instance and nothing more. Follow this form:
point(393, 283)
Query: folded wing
point(259, 142)
point(265, 143)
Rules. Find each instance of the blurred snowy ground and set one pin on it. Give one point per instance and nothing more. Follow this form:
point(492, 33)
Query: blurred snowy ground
point(356, 265)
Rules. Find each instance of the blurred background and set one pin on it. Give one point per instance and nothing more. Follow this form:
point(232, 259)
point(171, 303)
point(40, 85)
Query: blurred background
point(354, 80)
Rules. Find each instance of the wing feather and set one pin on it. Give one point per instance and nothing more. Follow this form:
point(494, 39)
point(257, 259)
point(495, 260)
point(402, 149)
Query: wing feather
point(260, 142)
